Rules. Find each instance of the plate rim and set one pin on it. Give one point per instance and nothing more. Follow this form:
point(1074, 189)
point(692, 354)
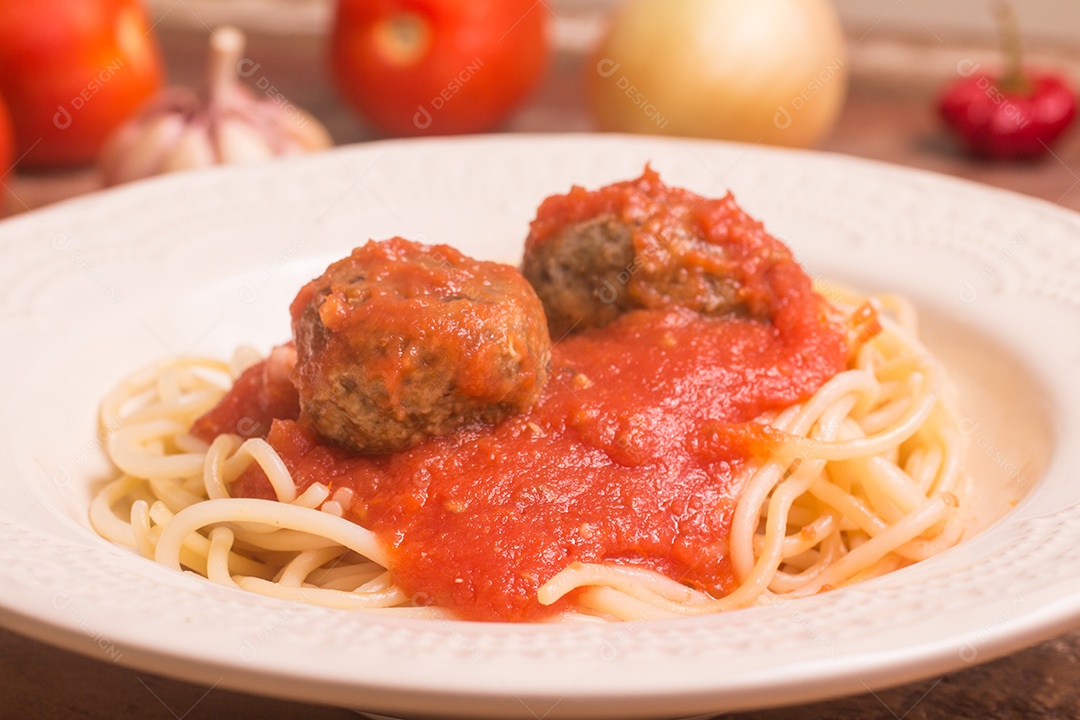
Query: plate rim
point(1019, 633)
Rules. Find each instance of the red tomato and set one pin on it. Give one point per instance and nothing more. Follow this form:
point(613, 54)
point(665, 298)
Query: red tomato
point(432, 67)
point(72, 71)
point(7, 155)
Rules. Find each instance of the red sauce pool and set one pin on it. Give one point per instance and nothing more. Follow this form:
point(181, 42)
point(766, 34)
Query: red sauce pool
point(630, 456)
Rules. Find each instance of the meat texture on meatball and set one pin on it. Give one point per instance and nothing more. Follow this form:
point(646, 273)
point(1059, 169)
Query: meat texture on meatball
point(402, 341)
point(592, 255)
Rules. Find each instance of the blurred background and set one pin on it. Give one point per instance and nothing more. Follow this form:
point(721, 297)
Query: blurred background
point(898, 60)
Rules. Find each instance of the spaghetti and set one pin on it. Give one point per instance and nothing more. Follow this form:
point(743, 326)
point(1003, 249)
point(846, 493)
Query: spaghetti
point(865, 477)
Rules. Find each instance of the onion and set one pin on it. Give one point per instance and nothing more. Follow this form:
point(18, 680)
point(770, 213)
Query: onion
point(771, 71)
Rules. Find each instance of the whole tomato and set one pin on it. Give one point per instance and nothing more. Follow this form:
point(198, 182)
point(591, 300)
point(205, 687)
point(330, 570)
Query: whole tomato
point(7, 155)
point(434, 67)
point(71, 71)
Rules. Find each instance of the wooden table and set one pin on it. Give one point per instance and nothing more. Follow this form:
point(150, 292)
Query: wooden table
point(887, 120)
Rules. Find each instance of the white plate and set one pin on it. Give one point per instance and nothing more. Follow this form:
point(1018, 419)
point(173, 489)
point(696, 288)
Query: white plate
point(97, 287)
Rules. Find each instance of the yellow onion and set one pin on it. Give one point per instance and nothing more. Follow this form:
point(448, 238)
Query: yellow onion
point(771, 71)
point(182, 130)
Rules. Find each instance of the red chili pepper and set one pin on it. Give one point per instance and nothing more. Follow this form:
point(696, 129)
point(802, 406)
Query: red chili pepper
point(1018, 115)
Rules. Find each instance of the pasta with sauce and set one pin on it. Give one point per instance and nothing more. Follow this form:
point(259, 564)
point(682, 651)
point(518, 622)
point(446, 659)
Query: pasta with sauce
point(706, 433)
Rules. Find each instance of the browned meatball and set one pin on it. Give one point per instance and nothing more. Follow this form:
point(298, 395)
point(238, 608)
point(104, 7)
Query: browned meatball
point(592, 255)
point(577, 273)
point(400, 342)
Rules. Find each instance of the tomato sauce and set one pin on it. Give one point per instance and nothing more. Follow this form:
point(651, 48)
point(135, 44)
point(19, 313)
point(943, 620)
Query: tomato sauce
point(633, 454)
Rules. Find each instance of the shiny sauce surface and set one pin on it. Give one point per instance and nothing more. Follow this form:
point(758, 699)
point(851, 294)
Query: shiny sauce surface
point(633, 455)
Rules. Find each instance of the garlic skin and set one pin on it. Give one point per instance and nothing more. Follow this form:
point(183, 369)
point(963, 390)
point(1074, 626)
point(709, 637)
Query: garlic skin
point(180, 131)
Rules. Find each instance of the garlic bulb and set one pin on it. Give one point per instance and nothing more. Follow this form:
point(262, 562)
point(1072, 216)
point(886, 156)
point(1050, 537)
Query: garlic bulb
point(181, 131)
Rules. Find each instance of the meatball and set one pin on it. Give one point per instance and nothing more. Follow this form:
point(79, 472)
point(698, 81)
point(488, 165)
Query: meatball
point(400, 342)
point(577, 273)
point(592, 255)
